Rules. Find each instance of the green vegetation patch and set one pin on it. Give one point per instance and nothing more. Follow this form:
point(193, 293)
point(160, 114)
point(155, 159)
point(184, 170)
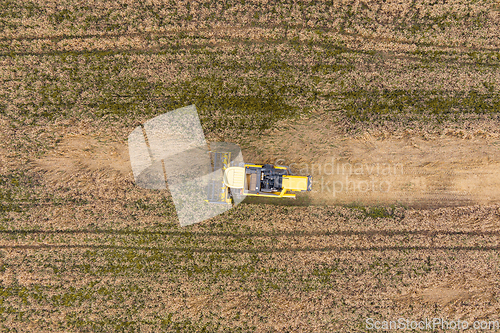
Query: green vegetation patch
point(377, 211)
point(365, 105)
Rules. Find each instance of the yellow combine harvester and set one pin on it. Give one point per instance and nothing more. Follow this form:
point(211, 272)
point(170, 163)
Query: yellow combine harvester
point(247, 179)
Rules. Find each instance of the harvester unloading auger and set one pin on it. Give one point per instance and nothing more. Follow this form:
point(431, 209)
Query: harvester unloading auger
point(171, 149)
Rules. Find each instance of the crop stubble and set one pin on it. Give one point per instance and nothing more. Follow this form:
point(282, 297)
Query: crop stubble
point(83, 249)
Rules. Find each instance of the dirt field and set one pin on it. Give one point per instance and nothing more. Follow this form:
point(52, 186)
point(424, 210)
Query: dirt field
point(392, 107)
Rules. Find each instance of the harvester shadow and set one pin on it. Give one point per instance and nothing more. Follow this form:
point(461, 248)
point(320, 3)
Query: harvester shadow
point(300, 200)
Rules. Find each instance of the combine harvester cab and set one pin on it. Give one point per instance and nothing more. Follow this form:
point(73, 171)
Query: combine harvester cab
point(263, 180)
